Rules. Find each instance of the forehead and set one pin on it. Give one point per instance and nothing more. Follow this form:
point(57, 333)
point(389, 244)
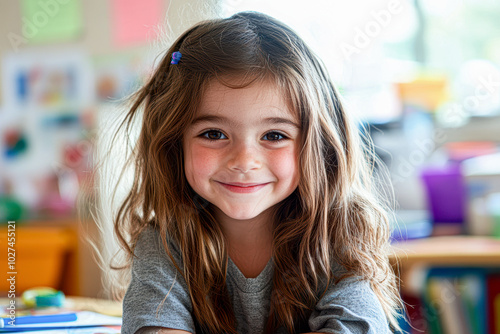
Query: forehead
point(263, 98)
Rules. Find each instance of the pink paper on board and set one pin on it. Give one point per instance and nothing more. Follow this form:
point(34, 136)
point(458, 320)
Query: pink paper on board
point(135, 22)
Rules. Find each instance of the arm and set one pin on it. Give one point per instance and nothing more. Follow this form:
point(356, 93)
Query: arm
point(157, 295)
point(160, 330)
point(348, 307)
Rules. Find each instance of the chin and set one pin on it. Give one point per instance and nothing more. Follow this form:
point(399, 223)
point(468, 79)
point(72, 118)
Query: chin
point(239, 214)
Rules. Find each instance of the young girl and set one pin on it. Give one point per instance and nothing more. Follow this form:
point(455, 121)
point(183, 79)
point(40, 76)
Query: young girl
point(253, 207)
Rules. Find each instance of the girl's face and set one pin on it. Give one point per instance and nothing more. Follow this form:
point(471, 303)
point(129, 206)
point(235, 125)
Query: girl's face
point(241, 151)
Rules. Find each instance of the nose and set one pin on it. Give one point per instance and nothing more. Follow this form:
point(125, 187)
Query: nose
point(244, 157)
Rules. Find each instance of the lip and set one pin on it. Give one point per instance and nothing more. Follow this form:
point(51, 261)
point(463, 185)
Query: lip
point(240, 184)
point(243, 188)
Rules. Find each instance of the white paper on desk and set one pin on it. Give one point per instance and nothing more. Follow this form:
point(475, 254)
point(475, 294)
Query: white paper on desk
point(76, 330)
point(83, 318)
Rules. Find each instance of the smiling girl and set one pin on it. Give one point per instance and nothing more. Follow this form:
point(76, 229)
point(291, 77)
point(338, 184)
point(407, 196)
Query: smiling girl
point(253, 208)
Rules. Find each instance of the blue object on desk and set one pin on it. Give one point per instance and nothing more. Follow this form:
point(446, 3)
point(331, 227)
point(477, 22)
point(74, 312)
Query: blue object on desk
point(410, 224)
point(55, 299)
point(37, 319)
point(43, 297)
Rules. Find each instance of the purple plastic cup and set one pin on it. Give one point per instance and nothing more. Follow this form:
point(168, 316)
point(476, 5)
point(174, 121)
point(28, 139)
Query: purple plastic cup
point(445, 189)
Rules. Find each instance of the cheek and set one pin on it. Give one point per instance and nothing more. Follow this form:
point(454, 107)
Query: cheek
point(199, 161)
point(285, 163)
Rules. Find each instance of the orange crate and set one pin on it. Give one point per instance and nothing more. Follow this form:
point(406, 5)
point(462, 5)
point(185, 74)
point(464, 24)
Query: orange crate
point(39, 257)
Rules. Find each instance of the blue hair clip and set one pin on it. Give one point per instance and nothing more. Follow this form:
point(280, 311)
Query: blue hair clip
point(176, 56)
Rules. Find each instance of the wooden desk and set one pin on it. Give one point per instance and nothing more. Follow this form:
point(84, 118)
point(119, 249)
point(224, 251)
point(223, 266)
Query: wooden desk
point(474, 251)
point(103, 306)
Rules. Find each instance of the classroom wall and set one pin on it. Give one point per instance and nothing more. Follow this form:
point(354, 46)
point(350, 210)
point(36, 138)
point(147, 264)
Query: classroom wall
point(95, 42)
point(96, 37)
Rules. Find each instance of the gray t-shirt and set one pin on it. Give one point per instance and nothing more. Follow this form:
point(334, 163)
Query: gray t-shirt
point(348, 307)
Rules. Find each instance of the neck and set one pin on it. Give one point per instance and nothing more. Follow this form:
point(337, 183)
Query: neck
point(251, 236)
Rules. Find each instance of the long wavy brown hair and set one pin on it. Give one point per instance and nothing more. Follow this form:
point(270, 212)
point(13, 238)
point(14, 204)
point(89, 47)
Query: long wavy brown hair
point(338, 213)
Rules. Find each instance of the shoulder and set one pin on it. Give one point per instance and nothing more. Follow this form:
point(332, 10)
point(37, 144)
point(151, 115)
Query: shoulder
point(349, 303)
point(150, 253)
point(157, 294)
point(150, 242)
point(353, 288)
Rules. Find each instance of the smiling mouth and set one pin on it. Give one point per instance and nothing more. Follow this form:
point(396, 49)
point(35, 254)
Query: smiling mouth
point(243, 188)
point(243, 185)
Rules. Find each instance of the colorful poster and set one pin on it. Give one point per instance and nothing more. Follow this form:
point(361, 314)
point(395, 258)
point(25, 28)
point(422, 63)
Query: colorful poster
point(46, 81)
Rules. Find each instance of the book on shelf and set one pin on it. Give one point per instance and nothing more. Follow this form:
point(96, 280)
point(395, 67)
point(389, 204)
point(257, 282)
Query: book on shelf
point(414, 321)
point(458, 300)
point(493, 303)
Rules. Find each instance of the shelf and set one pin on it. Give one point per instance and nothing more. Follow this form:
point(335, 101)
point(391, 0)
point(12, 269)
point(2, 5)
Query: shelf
point(410, 259)
point(477, 129)
point(448, 250)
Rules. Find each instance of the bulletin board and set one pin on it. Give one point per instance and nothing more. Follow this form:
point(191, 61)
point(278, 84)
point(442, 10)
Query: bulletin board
point(64, 62)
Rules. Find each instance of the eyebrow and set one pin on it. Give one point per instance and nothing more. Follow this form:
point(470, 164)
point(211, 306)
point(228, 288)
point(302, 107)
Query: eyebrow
point(224, 120)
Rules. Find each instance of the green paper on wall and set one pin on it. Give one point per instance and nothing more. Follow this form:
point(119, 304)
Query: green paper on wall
point(50, 20)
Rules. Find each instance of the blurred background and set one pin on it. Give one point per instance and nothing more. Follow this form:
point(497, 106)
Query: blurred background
point(422, 77)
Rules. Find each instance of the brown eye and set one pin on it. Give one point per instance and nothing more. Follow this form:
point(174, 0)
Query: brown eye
point(213, 135)
point(274, 136)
